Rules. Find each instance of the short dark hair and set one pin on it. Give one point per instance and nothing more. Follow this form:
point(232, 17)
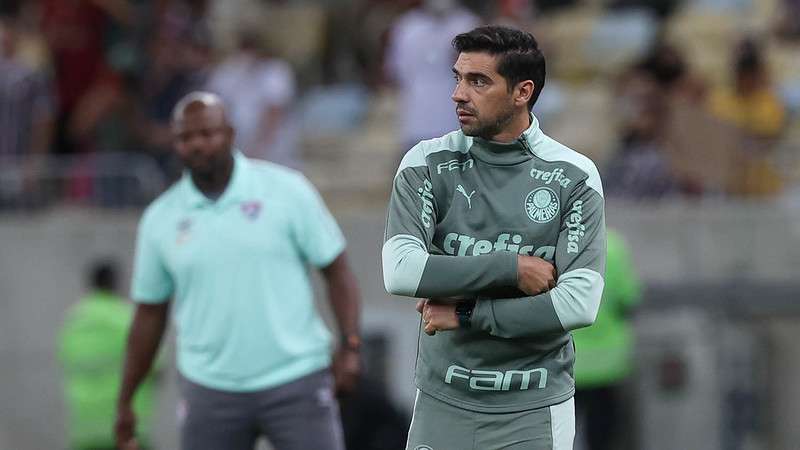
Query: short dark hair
point(103, 275)
point(748, 58)
point(519, 56)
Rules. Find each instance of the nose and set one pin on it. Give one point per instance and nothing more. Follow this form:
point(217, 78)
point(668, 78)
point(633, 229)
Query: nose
point(459, 94)
point(195, 142)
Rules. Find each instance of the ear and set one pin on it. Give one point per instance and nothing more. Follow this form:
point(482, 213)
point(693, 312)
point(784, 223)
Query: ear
point(523, 92)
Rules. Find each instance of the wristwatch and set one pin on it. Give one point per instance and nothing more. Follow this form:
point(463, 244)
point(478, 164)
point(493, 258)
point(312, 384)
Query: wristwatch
point(464, 313)
point(351, 342)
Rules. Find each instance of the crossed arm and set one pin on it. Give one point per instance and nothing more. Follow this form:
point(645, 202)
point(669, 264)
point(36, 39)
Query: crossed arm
point(542, 305)
point(534, 276)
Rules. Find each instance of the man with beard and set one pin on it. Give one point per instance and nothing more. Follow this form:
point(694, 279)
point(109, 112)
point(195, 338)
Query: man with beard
point(500, 230)
point(230, 244)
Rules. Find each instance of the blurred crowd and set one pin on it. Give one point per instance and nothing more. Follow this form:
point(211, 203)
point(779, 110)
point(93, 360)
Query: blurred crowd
point(669, 97)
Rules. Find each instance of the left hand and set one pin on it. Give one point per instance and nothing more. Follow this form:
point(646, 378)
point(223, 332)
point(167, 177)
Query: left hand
point(437, 316)
point(346, 370)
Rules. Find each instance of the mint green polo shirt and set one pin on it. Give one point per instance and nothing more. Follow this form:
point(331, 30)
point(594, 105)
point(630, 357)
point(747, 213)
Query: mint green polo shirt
point(237, 271)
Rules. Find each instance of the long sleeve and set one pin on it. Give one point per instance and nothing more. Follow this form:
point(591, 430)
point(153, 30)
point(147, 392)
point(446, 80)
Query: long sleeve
point(580, 259)
point(409, 268)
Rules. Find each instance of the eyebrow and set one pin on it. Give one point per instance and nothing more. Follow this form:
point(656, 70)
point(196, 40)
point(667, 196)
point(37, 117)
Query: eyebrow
point(471, 74)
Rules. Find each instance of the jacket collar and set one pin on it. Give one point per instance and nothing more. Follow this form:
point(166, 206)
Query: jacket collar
point(506, 154)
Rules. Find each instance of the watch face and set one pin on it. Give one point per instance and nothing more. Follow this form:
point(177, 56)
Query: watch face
point(465, 307)
point(464, 313)
point(352, 342)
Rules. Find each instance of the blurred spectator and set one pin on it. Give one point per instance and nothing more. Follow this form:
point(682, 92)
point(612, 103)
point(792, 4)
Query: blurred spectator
point(26, 98)
point(179, 62)
point(365, 36)
point(667, 66)
point(514, 13)
point(645, 96)
point(259, 92)
point(420, 60)
point(179, 17)
point(555, 5)
point(87, 87)
point(91, 349)
point(753, 107)
point(26, 114)
point(789, 20)
point(750, 102)
point(604, 354)
point(661, 8)
point(640, 168)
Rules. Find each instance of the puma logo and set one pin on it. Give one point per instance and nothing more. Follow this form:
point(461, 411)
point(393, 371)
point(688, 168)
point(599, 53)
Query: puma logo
point(463, 191)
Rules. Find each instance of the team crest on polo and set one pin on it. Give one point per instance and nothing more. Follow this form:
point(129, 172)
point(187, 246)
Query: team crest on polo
point(541, 205)
point(251, 209)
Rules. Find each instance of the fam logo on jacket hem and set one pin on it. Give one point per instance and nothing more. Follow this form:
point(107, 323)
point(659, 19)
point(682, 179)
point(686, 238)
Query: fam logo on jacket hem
point(541, 205)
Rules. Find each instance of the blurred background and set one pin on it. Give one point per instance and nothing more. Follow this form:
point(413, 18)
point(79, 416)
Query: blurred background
point(690, 109)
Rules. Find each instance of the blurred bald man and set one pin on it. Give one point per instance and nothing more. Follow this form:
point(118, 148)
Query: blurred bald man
point(227, 249)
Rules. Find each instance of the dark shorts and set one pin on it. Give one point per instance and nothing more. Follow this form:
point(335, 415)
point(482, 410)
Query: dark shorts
point(299, 415)
point(436, 425)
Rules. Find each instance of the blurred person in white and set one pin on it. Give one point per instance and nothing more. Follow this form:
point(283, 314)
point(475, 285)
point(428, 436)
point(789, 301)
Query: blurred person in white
point(26, 96)
point(259, 91)
point(419, 60)
point(26, 107)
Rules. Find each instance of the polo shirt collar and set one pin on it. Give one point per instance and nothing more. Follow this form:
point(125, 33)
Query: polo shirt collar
point(234, 192)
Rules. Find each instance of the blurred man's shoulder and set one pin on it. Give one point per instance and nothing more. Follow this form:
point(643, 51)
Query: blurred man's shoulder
point(280, 183)
point(167, 201)
point(272, 173)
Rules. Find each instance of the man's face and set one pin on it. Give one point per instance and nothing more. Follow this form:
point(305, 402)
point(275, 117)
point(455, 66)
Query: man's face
point(202, 138)
point(484, 104)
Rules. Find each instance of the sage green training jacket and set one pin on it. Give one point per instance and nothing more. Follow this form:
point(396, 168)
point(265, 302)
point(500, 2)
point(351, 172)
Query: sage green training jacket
point(461, 210)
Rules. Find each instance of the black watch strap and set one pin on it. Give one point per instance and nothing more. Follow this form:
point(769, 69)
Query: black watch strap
point(464, 313)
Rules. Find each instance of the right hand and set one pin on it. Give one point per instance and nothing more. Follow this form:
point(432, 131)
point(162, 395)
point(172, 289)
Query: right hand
point(535, 275)
point(124, 428)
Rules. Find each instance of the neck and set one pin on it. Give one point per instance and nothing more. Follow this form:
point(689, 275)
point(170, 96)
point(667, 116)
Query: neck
point(514, 129)
point(212, 183)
